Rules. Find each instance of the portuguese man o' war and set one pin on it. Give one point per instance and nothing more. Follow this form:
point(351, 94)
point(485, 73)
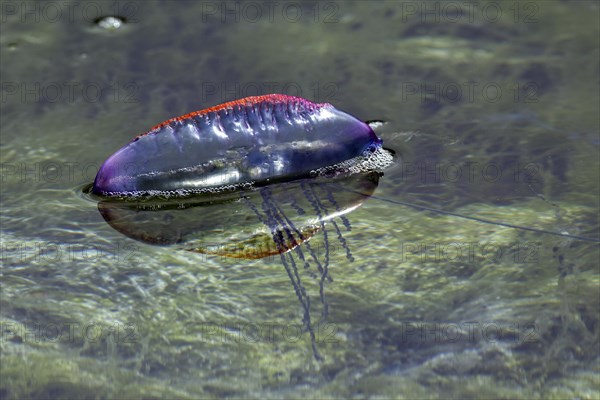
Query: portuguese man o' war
point(248, 179)
point(253, 141)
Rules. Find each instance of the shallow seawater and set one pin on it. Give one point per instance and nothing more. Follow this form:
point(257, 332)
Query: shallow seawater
point(493, 113)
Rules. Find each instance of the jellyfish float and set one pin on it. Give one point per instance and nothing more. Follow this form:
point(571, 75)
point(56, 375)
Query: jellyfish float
point(251, 178)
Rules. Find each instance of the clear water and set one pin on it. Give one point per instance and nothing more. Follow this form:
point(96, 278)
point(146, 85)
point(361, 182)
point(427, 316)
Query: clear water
point(493, 110)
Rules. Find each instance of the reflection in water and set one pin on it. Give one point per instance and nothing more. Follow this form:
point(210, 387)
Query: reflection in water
point(278, 219)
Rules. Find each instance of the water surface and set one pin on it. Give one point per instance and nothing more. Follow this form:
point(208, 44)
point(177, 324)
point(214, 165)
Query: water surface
point(493, 115)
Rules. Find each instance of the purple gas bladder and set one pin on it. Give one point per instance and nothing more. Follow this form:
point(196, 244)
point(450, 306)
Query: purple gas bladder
point(249, 142)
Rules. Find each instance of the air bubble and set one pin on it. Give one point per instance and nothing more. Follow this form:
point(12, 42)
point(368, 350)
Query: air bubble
point(110, 23)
